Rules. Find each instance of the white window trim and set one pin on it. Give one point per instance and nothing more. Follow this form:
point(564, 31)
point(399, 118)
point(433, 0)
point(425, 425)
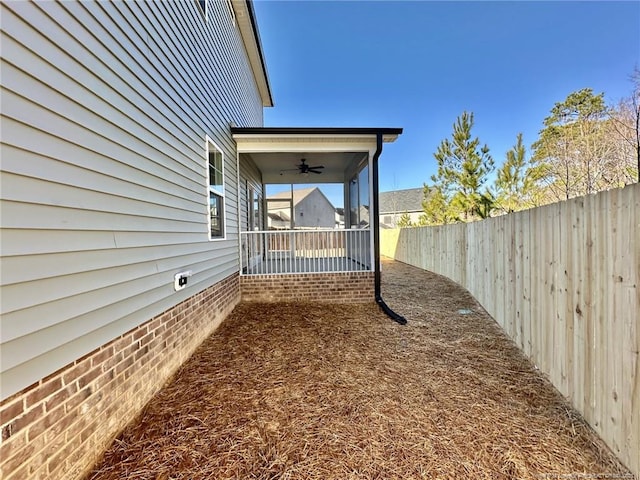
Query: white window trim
point(204, 10)
point(203, 6)
point(209, 142)
point(232, 12)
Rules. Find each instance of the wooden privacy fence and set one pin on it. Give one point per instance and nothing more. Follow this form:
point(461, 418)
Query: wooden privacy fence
point(562, 280)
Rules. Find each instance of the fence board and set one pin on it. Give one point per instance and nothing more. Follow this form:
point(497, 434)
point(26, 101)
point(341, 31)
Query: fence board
point(562, 280)
point(630, 391)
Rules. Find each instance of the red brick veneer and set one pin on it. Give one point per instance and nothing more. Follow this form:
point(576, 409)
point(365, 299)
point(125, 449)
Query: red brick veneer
point(58, 427)
point(352, 287)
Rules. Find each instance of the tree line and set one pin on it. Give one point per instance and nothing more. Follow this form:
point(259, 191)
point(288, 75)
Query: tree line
point(585, 146)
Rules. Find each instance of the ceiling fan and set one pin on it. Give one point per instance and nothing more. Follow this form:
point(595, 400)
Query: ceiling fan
point(304, 169)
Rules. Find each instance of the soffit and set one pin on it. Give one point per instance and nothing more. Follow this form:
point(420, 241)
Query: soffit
point(275, 150)
point(279, 167)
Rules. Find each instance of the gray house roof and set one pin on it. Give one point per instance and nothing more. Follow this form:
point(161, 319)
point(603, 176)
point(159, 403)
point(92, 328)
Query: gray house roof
point(400, 201)
point(298, 195)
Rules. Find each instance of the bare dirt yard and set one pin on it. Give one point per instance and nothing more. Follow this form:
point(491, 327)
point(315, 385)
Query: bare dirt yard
point(309, 391)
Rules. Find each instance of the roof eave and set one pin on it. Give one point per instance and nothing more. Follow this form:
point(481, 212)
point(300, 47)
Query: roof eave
point(388, 134)
point(245, 16)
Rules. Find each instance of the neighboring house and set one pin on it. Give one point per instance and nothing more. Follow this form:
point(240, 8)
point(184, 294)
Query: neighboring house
point(279, 219)
point(339, 219)
point(134, 165)
point(364, 216)
point(311, 209)
point(396, 203)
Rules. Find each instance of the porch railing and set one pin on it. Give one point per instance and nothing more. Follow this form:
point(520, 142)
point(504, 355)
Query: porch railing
point(305, 251)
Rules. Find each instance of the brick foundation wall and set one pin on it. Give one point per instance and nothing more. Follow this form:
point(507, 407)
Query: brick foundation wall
point(352, 287)
point(59, 427)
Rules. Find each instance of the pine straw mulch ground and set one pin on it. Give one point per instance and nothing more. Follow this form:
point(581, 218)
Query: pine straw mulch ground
point(308, 391)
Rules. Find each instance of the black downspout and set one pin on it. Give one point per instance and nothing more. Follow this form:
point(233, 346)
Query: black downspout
point(376, 237)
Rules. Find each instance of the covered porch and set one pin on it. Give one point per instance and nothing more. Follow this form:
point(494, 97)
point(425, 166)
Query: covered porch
point(287, 243)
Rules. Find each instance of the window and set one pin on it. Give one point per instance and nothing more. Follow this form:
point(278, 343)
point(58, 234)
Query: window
point(203, 7)
point(257, 210)
point(359, 199)
point(363, 198)
point(254, 212)
point(232, 12)
point(353, 202)
point(215, 182)
point(250, 207)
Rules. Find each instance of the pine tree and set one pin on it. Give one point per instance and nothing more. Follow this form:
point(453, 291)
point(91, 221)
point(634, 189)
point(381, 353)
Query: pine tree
point(518, 183)
point(463, 168)
point(435, 206)
point(405, 221)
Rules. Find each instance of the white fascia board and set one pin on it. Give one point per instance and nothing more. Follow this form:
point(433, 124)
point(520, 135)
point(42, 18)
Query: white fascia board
point(252, 46)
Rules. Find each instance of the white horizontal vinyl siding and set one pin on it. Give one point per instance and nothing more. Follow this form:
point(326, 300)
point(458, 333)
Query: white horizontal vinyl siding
point(105, 109)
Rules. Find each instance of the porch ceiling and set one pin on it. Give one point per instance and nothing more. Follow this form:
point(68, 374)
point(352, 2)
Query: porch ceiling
point(339, 150)
point(274, 166)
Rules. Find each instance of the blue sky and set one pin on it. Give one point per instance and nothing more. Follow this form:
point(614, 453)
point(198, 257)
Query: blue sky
point(420, 64)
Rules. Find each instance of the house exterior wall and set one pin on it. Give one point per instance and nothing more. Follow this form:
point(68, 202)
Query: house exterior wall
point(105, 111)
point(390, 220)
point(396, 203)
point(278, 224)
point(315, 210)
point(58, 427)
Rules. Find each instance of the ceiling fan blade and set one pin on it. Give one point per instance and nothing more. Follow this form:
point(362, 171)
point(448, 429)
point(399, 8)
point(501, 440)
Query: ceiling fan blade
point(303, 168)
